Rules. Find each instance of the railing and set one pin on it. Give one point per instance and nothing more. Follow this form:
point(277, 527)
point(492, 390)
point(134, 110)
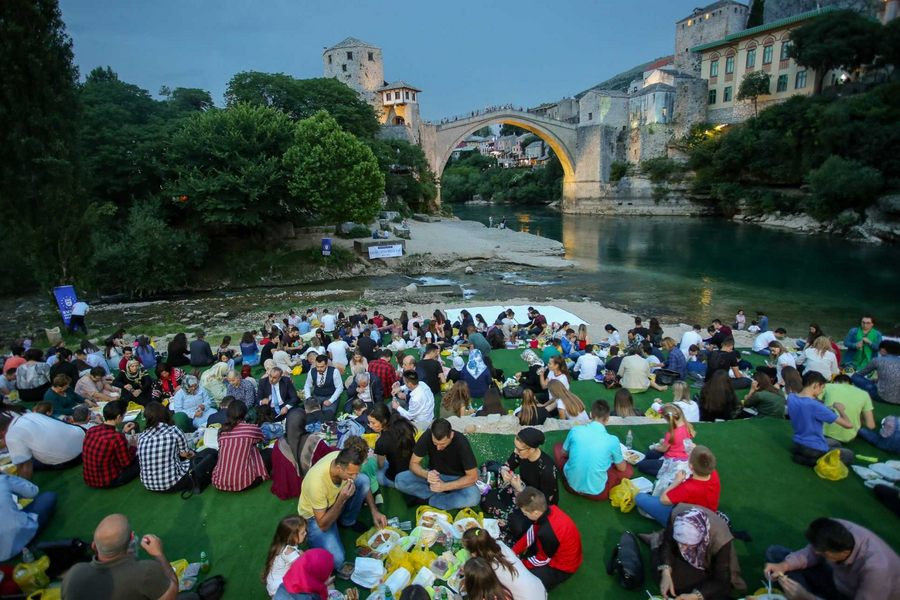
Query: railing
point(484, 111)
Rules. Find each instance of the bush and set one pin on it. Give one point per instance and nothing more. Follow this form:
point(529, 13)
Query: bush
point(839, 184)
point(618, 170)
point(661, 169)
point(358, 231)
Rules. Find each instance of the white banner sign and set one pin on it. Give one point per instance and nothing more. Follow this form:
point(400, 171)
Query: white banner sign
point(386, 251)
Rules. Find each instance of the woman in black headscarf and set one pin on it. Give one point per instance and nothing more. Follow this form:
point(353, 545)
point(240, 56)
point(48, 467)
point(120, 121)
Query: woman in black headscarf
point(535, 469)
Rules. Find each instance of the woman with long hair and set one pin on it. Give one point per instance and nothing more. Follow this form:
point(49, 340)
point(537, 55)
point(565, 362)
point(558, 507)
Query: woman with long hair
point(717, 398)
point(656, 332)
point(165, 457)
point(283, 551)
point(623, 404)
point(556, 370)
point(168, 381)
point(240, 464)
point(681, 396)
point(568, 405)
point(481, 581)
point(764, 398)
point(480, 324)
point(819, 357)
point(793, 382)
point(33, 376)
point(249, 349)
point(670, 449)
point(510, 572)
point(394, 447)
point(457, 402)
point(177, 354)
point(531, 413)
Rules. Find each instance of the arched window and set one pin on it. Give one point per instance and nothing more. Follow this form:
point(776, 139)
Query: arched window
point(399, 121)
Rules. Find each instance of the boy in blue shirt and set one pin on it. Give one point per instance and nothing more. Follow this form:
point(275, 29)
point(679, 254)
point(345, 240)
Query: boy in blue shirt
point(808, 417)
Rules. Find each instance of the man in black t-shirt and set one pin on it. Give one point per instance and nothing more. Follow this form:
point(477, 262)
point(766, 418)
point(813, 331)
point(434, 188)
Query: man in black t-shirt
point(640, 330)
point(727, 359)
point(366, 345)
point(430, 369)
point(449, 481)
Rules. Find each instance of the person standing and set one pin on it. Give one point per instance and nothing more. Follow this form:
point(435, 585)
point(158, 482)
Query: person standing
point(76, 319)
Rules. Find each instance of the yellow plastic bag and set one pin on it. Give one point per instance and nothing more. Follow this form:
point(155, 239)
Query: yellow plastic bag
point(622, 496)
point(398, 557)
point(134, 406)
point(830, 466)
point(420, 556)
point(370, 438)
point(46, 594)
point(468, 513)
point(429, 509)
point(298, 370)
point(653, 414)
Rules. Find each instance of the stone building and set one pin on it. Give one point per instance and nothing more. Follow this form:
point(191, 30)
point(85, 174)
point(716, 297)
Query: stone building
point(360, 65)
point(704, 25)
point(725, 63)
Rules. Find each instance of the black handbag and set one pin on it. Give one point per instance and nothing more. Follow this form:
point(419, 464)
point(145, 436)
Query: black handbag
point(626, 564)
point(512, 391)
point(667, 377)
point(63, 554)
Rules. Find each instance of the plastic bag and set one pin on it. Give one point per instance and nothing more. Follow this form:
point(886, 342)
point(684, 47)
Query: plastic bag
point(622, 496)
point(431, 515)
point(468, 513)
point(397, 558)
point(298, 370)
point(830, 466)
point(421, 557)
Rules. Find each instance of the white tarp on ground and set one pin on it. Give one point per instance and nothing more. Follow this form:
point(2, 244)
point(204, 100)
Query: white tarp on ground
point(552, 313)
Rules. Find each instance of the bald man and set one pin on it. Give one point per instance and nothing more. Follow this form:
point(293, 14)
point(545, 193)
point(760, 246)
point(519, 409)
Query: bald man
point(116, 573)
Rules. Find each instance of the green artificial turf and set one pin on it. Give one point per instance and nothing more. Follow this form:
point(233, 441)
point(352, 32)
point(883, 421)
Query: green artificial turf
point(763, 492)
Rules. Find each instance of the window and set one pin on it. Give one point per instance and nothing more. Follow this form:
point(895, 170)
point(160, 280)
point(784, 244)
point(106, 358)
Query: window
point(329, 59)
point(767, 54)
point(344, 68)
point(726, 95)
point(396, 95)
point(729, 65)
point(712, 96)
point(590, 116)
point(371, 56)
point(781, 85)
point(714, 68)
point(387, 97)
point(785, 50)
point(751, 58)
point(349, 56)
point(800, 82)
point(414, 96)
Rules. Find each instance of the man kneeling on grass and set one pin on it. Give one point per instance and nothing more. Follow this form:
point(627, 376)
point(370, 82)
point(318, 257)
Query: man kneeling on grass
point(591, 458)
point(551, 548)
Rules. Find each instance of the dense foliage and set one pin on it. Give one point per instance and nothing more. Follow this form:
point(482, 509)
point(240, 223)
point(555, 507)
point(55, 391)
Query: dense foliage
point(108, 187)
point(473, 174)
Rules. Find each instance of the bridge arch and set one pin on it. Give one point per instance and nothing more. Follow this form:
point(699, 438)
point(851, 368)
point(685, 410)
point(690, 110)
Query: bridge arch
point(560, 136)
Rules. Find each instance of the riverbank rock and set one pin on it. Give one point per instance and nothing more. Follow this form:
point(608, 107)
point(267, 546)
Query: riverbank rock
point(470, 271)
point(411, 288)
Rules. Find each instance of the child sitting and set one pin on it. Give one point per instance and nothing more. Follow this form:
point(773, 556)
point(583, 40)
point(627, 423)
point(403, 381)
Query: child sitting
point(283, 551)
point(360, 411)
point(701, 487)
point(669, 456)
point(44, 408)
point(681, 397)
point(551, 548)
point(808, 417)
point(265, 418)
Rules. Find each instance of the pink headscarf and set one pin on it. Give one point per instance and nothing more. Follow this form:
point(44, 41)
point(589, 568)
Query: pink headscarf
point(309, 574)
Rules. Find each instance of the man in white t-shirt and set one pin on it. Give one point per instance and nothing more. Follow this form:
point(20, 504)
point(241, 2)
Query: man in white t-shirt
point(587, 364)
point(337, 352)
point(39, 442)
point(419, 401)
point(762, 341)
point(690, 338)
point(329, 322)
point(76, 318)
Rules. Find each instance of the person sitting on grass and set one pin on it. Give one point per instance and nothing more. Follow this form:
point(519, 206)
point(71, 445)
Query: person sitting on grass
point(857, 406)
point(476, 374)
point(511, 573)
point(696, 559)
point(702, 488)
point(842, 560)
point(367, 388)
point(110, 457)
point(457, 402)
point(591, 458)
point(492, 403)
point(531, 413)
point(681, 397)
point(449, 481)
point(634, 373)
point(37, 442)
point(394, 446)
point(670, 452)
point(18, 526)
point(418, 399)
point(717, 398)
point(241, 465)
point(861, 343)
point(551, 547)
point(588, 365)
point(62, 396)
point(191, 405)
point(115, 571)
point(887, 438)
point(809, 416)
point(324, 385)
point(676, 360)
point(135, 383)
point(94, 387)
point(623, 404)
point(887, 367)
point(283, 551)
point(763, 399)
point(333, 493)
point(277, 390)
point(481, 582)
point(167, 462)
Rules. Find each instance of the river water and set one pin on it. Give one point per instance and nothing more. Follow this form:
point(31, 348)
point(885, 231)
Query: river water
point(695, 270)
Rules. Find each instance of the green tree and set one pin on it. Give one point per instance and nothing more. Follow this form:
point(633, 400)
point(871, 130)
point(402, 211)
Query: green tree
point(190, 99)
point(890, 44)
point(485, 131)
point(332, 172)
point(302, 98)
point(754, 85)
point(507, 129)
point(128, 257)
point(406, 172)
point(229, 165)
point(38, 164)
point(757, 12)
point(841, 39)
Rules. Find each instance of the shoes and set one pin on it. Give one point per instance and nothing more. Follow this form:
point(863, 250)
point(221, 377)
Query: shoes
point(379, 499)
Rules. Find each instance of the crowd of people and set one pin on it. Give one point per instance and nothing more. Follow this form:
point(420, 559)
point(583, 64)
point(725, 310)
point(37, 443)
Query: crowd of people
point(376, 411)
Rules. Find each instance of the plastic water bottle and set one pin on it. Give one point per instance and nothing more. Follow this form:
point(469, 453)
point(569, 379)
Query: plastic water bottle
point(30, 575)
point(629, 439)
point(204, 562)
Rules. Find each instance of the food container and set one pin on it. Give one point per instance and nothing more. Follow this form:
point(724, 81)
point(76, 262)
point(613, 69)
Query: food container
point(492, 526)
point(424, 577)
point(463, 525)
point(367, 572)
point(632, 456)
point(424, 536)
point(398, 580)
point(382, 541)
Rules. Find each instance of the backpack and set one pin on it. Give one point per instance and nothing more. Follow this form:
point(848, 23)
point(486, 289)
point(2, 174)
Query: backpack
point(626, 564)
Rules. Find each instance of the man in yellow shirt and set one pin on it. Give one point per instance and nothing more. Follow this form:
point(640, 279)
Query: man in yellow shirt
point(857, 405)
point(333, 492)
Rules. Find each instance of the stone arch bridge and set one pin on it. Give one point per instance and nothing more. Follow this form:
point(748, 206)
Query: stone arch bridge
point(580, 157)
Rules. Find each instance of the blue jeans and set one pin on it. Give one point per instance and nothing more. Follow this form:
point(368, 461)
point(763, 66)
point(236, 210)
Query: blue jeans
point(330, 539)
point(865, 384)
point(764, 351)
point(43, 505)
point(891, 444)
point(410, 483)
point(654, 507)
point(283, 594)
point(382, 477)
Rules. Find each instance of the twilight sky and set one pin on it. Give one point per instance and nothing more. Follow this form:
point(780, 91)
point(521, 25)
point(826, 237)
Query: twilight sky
point(464, 54)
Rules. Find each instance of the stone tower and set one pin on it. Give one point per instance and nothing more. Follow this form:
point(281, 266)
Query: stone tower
point(359, 65)
point(707, 24)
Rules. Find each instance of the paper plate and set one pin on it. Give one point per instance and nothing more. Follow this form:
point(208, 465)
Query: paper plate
point(886, 472)
point(492, 526)
point(872, 483)
point(632, 456)
point(865, 472)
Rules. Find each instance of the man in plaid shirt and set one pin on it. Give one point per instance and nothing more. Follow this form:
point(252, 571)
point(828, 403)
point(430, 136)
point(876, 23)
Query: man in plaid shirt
point(382, 368)
point(110, 459)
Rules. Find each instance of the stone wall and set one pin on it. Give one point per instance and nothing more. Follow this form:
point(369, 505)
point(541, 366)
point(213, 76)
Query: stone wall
point(635, 196)
point(361, 74)
point(601, 107)
point(780, 9)
point(722, 21)
point(648, 141)
point(690, 103)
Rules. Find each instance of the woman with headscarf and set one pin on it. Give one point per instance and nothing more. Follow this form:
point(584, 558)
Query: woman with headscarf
point(213, 381)
point(283, 361)
point(308, 577)
point(476, 374)
point(535, 469)
point(135, 383)
point(696, 558)
point(455, 372)
point(192, 405)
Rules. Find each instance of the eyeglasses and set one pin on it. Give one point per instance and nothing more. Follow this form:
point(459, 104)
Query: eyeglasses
point(519, 450)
